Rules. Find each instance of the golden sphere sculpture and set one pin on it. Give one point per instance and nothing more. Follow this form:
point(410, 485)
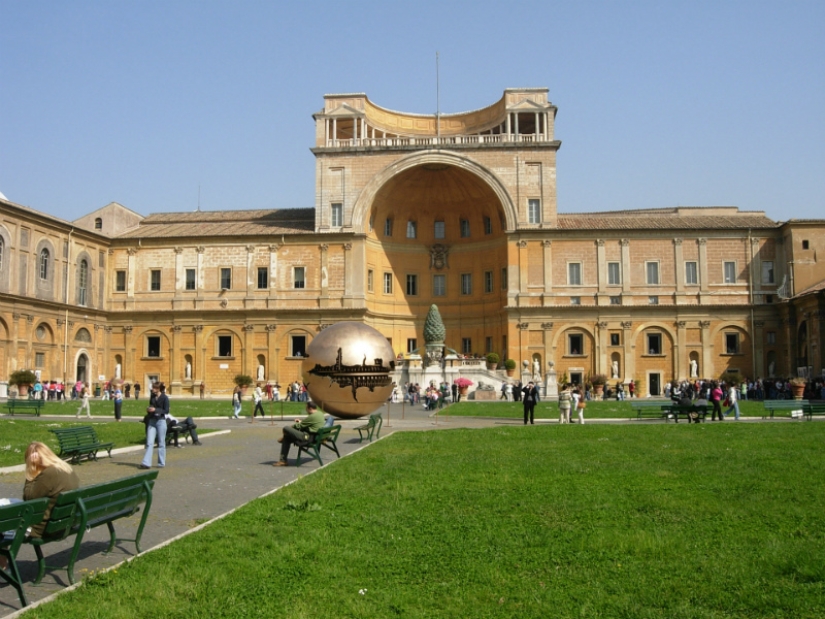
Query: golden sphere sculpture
point(347, 370)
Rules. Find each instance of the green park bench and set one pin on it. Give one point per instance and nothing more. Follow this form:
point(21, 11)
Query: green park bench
point(674, 411)
point(80, 441)
point(371, 428)
point(16, 405)
point(774, 406)
point(325, 437)
point(648, 408)
point(77, 511)
point(16, 518)
point(811, 409)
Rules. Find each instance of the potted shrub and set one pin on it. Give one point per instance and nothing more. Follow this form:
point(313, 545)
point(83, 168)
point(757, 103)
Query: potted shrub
point(243, 381)
point(23, 380)
point(463, 384)
point(510, 366)
point(492, 360)
point(598, 381)
point(798, 387)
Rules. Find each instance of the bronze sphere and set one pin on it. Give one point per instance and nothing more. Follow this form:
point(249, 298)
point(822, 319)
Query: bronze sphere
point(347, 370)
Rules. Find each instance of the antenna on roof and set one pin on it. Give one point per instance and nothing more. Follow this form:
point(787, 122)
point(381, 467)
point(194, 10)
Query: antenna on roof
point(437, 101)
point(199, 197)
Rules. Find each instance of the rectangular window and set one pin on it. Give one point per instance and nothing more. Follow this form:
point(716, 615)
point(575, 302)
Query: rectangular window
point(336, 215)
point(153, 346)
point(464, 227)
point(120, 281)
point(652, 273)
point(226, 278)
point(653, 300)
point(388, 227)
point(615, 339)
point(488, 343)
point(466, 345)
point(263, 278)
point(614, 274)
point(574, 273)
point(387, 283)
point(654, 343)
point(224, 345)
point(370, 282)
point(39, 359)
point(466, 283)
point(412, 229)
point(488, 281)
point(299, 277)
point(439, 230)
point(771, 337)
point(575, 344)
point(412, 285)
point(488, 225)
point(615, 300)
point(691, 273)
point(575, 300)
point(299, 346)
point(439, 285)
point(154, 280)
point(504, 278)
point(806, 245)
point(730, 272)
point(768, 298)
point(534, 211)
point(412, 344)
point(190, 279)
point(767, 272)
point(731, 343)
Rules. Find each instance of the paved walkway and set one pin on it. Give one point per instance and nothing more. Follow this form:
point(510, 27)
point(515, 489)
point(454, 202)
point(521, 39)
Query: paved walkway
point(201, 483)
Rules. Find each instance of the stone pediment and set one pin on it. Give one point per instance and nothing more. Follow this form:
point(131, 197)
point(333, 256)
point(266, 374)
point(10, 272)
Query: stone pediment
point(344, 111)
point(527, 106)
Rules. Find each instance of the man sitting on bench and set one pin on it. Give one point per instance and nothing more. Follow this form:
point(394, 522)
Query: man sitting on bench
point(176, 428)
point(300, 431)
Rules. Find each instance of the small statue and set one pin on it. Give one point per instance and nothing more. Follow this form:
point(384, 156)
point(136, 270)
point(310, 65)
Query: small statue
point(536, 367)
point(261, 371)
point(615, 373)
point(188, 370)
point(117, 371)
point(694, 369)
point(772, 369)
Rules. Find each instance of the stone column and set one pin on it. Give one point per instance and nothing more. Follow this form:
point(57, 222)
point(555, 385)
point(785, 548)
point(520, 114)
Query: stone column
point(273, 369)
point(131, 273)
point(625, 244)
point(200, 249)
point(523, 268)
point(755, 272)
point(707, 368)
point(703, 269)
point(249, 367)
point(129, 361)
point(349, 270)
point(601, 266)
point(679, 267)
point(199, 371)
point(179, 274)
point(629, 351)
point(548, 267)
point(273, 268)
point(174, 361)
point(759, 339)
point(602, 362)
point(107, 338)
point(682, 365)
point(324, 299)
point(251, 274)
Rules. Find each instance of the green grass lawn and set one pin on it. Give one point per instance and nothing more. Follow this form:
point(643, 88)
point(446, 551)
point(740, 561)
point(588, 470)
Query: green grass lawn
point(610, 409)
point(18, 433)
point(633, 521)
point(180, 408)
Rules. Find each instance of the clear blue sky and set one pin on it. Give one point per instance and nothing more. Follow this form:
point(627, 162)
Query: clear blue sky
point(660, 103)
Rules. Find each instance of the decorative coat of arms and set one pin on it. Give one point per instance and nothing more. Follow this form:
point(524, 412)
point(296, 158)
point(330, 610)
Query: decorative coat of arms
point(438, 256)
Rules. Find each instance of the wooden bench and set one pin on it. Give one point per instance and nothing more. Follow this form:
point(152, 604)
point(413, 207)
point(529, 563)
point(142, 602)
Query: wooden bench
point(813, 408)
point(772, 406)
point(25, 406)
point(372, 427)
point(77, 511)
point(325, 437)
point(675, 410)
point(80, 441)
point(16, 518)
point(648, 408)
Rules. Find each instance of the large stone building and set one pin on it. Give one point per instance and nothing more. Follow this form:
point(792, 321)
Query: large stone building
point(457, 210)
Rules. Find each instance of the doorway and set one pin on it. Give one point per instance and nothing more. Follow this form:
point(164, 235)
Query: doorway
point(654, 384)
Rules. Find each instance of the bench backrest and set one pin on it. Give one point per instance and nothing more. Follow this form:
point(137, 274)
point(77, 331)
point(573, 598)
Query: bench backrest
point(327, 433)
point(814, 408)
point(17, 517)
point(93, 505)
point(72, 438)
point(777, 404)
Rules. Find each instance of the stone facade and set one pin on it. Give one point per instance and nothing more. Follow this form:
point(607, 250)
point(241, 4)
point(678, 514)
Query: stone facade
point(413, 210)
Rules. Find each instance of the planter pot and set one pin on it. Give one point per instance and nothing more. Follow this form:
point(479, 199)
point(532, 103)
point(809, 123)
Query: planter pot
point(511, 373)
point(797, 391)
point(599, 389)
point(492, 366)
point(463, 391)
point(22, 391)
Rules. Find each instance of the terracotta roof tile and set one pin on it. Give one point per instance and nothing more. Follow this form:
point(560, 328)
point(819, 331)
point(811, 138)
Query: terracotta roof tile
point(658, 221)
point(222, 223)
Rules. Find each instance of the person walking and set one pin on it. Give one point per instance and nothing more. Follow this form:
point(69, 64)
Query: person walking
point(202, 389)
point(565, 402)
point(258, 398)
point(117, 398)
point(531, 395)
point(137, 391)
point(236, 402)
point(733, 402)
point(156, 426)
point(716, 401)
point(84, 395)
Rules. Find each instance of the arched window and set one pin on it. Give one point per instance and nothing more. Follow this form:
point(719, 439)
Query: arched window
point(2, 247)
point(98, 223)
point(44, 264)
point(82, 282)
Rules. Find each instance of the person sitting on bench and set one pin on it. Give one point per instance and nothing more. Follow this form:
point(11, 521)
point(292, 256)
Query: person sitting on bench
point(300, 431)
point(176, 428)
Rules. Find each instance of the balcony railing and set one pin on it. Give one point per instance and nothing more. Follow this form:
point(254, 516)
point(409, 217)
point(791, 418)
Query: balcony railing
point(424, 141)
